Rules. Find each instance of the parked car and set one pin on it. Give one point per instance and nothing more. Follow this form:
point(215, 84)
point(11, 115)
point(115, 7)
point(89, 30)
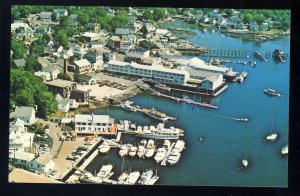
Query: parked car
point(62, 138)
point(47, 130)
point(52, 174)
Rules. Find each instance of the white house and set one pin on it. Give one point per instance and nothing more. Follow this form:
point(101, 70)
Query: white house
point(52, 71)
point(83, 65)
point(44, 75)
point(42, 164)
point(21, 159)
point(90, 123)
point(64, 105)
point(213, 82)
point(27, 114)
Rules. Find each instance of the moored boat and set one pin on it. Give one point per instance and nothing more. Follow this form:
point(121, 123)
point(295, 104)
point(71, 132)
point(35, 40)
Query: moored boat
point(160, 154)
point(150, 149)
point(279, 55)
point(104, 147)
point(133, 177)
point(260, 56)
point(133, 151)
point(272, 136)
point(104, 171)
point(146, 177)
point(285, 150)
point(174, 156)
point(180, 145)
point(271, 92)
point(155, 114)
point(124, 150)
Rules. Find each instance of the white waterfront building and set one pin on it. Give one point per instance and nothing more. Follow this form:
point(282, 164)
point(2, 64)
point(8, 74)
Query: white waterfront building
point(90, 123)
point(155, 71)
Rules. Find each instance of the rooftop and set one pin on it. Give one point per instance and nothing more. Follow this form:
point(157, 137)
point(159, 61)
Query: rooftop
point(23, 176)
point(23, 111)
point(22, 155)
point(60, 83)
point(44, 158)
point(82, 62)
point(91, 118)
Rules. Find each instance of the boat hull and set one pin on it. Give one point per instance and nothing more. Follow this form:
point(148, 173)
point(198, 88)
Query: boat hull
point(162, 137)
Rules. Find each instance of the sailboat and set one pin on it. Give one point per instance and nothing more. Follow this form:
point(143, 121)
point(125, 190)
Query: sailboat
point(272, 136)
point(245, 161)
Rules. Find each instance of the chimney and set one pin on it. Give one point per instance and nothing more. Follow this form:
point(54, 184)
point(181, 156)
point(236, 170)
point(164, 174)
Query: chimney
point(65, 66)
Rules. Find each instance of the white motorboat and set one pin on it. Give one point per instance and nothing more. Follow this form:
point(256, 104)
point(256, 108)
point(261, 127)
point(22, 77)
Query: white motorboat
point(285, 150)
point(141, 151)
point(123, 177)
point(245, 163)
point(152, 180)
point(180, 145)
point(124, 150)
point(150, 148)
point(272, 136)
point(145, 177)
point(133, 151)
point(166, 144)
point(104, 147)
point(160, 154)
point(272, 92)
point(133, 177)
point(174, 156)
point(104, 171)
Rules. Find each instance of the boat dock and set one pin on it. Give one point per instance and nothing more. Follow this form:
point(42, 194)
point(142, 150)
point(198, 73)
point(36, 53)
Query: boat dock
point(118, 136)
point(220, 91)
point(164, 161)
point(187, 100)
point(88, 160)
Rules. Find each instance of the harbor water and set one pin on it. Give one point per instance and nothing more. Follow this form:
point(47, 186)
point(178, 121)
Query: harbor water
point(217, 159)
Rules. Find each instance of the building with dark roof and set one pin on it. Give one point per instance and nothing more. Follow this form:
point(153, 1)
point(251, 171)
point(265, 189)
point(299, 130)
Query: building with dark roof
point(62, 87)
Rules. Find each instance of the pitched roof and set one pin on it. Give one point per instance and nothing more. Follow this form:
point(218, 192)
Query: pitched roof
point(60, 83)
point(20, 62)
point(64, 102)
point(213, 78)
point(58, 97)
point(22, 155)
point(85, 77)
point(44, 158)
point(23, 111)
point(82, 62)
point(122, 31)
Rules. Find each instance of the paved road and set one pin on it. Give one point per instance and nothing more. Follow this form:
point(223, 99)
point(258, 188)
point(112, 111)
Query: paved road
point(54, 134)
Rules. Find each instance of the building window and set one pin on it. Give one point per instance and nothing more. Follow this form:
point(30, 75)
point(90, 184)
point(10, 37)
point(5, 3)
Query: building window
point(89, 123)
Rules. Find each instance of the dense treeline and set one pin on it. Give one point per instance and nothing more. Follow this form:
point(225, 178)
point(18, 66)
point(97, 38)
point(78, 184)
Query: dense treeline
point(27, 89)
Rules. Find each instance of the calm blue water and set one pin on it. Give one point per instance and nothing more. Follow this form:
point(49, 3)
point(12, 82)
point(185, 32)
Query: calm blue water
point(216, 161)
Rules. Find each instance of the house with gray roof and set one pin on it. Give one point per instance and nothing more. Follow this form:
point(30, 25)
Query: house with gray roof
point(45, 16)
point(122, 31)
point(20, 63)
point(42, 164)
point(87, 79)
point(61, 12)
point(24, 113)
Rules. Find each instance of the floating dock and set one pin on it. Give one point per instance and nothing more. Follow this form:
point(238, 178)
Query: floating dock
point(220, 91)
point(186, 100)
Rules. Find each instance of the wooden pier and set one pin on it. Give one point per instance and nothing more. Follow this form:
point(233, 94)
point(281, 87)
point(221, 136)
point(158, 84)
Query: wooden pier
point(233, 53)
point(220, 91)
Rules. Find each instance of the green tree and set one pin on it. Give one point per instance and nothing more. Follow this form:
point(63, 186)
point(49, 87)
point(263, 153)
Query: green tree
point(27, 89)
point(259, 19)
point(18, 49)
point(37, 48)
point(53, 17)
point(248, 18)
point(65, 21)
point(64, 76)
point(229, 12)
point(62, 37)
point(158, 13)
point(148, 14)
point(172, 11)
point(32, 64)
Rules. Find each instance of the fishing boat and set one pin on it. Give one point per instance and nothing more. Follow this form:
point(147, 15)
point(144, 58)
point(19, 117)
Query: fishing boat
point(244, 119)
point(160, 154)
point(104, 171)
point(279, 55)
point(285, 150)
point(260, 56)
point(133, 150)
point(180, 145)
point(174, 156)
point(160, 132)
point(272, 92)
point(152, 180)
point(104, 147)
point(155, 114)
point(150, 149)
point(146, 177)
point(124, 150)
point(133, 177)
point(272, 136)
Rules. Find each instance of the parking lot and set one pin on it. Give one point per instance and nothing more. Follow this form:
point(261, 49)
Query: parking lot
point(99, 92)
